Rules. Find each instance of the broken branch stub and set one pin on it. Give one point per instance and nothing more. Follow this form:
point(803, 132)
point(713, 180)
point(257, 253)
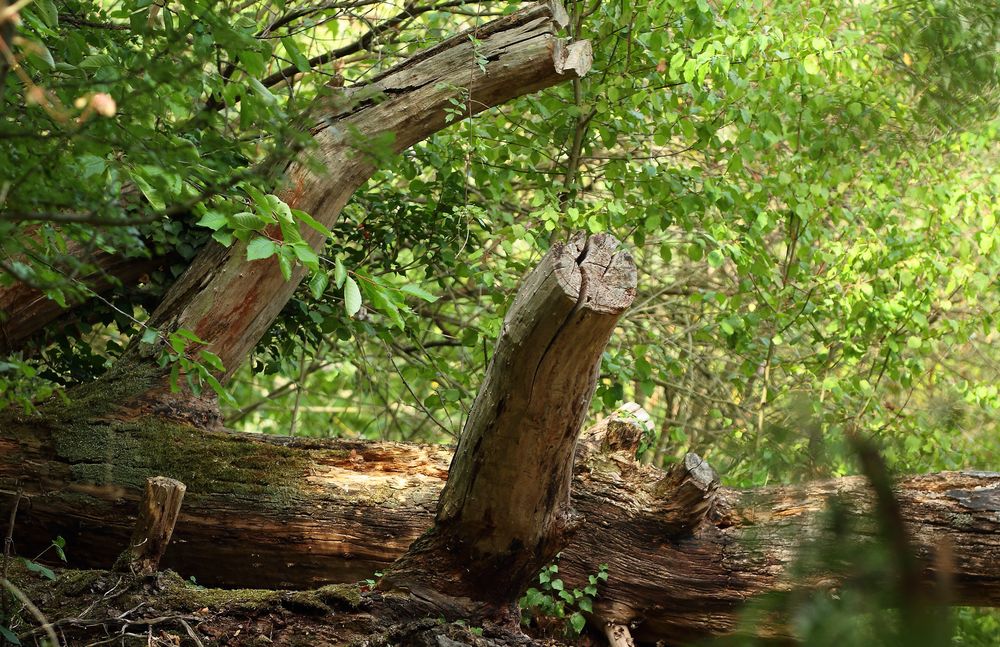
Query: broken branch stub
point(161, 504)
point(505, 510)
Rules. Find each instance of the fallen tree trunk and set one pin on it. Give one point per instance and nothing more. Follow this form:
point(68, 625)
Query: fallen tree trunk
point(684, 556)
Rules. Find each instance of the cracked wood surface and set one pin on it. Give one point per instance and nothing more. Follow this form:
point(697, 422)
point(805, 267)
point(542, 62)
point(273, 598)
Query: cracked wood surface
point(504, 512)
point(296, 513)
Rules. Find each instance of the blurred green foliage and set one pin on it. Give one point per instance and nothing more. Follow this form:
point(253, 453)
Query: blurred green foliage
point(810, 190)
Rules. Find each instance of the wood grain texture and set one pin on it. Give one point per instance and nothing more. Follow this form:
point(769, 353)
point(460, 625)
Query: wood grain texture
point(297, 513)
point(158, 511)
point(504, 512)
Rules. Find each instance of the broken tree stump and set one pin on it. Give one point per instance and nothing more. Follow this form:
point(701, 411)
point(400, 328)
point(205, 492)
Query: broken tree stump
point(505, 509)
point(161, 504)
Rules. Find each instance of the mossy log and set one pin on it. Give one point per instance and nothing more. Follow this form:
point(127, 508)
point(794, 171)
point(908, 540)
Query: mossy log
point(298, 513)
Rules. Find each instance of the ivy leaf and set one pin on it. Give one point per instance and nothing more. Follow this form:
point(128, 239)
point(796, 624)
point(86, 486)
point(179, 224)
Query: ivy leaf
point(150, 335)
point(577, 621)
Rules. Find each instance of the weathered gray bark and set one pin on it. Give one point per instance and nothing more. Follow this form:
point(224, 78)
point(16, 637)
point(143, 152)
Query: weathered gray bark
point(277, 512)
point(504, 512)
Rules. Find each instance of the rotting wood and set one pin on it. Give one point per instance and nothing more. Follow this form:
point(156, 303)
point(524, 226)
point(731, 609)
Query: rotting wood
point(275, 512)
point(158, 511)
point(505, 509)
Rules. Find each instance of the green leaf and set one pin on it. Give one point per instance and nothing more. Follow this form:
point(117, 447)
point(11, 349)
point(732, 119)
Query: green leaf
point(9, 636)
point(91, 165)
point(260, 248)
point(224, 238)
point(811, 64)
point(36, 49)
point(213, 220)
point(212, 360)
point(419, 292)
point(189, 335)
point(306, 255)
point(339, 273)
point(59, 543)
point(150, 335)
point(352, 297)
point(264, 204)
point(318, 284)
point(262, 92)
point(294, 53)
point(285, 265)
point(577, 621)
point(246, 220)
point(311, 222)
point(383, 301)
point(96, 61)
point(35, 567)
point(48, 12)
point(152, 195)
point(220, 390)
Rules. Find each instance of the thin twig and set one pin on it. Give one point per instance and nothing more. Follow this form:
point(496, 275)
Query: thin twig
point(30, 606)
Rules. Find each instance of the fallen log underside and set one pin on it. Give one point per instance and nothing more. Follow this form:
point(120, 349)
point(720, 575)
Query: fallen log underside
point(683, 554)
